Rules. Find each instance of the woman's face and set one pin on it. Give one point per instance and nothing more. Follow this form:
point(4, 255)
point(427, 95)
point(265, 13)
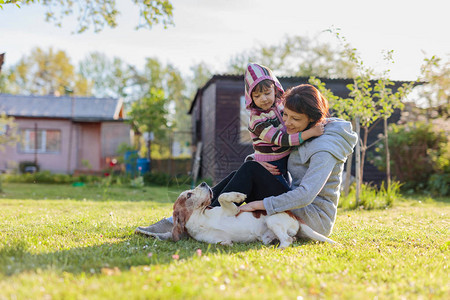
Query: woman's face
point(294, 121)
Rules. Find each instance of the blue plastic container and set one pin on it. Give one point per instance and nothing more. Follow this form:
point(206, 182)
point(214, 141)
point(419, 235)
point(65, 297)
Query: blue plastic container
point(130, 159)
point(143, 165)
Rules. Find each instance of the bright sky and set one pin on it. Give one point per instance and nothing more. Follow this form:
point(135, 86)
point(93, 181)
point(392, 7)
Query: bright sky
point(214, 30)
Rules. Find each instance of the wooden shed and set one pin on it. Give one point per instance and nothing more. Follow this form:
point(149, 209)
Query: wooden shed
point(219, 124)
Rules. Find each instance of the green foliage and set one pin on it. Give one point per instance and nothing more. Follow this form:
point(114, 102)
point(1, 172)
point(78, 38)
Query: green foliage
point(297, 56)
point(137, 182)
point(121, 150)
point(372, 197)
point(164, 179)
point(339, 107)
point(439, 184)
point(46, 72)
point(435, 72)
point(101, 13)
point(417, 152)
point(149, 114)
point(48, 177)
point(201, 73)
point(108, 77)
point(69, 243)
point(8, 131)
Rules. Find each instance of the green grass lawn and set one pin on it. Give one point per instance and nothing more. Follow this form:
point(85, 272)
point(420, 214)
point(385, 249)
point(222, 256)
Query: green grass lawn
point(64, 242)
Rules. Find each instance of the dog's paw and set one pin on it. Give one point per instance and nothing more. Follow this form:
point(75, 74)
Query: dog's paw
point(226, 243)
point(268, 237)
point(235, 197)
point(286, 243)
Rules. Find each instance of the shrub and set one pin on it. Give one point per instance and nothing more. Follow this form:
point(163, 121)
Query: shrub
point(164, 179)
point(48, 177)
point(438, 184)
point(371, 197)
point(137, 182)
point(417, 152)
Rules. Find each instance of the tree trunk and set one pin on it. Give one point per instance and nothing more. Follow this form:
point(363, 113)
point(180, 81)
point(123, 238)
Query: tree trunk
point(363, 151)
point(348, 174)
point(149, 150)
point(357, 163)
point(388, 156)
point(348, 170)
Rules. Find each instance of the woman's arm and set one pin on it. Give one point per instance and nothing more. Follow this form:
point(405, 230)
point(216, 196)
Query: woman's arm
point(319, 170)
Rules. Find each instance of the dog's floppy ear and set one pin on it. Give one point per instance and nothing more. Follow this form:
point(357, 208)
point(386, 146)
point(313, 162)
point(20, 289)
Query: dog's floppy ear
point(180, 217)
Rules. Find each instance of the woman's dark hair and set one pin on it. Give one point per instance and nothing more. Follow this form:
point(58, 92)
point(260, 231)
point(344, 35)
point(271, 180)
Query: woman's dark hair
point(306, 99)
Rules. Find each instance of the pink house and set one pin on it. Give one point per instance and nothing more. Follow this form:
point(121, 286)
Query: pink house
point(64, 134)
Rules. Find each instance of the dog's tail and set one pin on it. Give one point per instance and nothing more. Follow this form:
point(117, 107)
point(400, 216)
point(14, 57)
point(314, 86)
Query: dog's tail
point(310, 233)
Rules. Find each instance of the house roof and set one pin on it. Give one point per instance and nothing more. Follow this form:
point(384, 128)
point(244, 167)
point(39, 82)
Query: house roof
point(75, 108)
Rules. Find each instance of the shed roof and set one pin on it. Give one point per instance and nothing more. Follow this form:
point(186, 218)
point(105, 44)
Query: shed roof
point(284, 79)
point(339, 88)
point(75, 108)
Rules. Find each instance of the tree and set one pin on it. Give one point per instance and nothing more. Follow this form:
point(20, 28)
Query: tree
point(152, 76)
point(8, 131)
point(8, 134)
point(169, 79)
point(435, 72)
point(149, 114)
point(101, 13)
point(297, 56)
point(368, 101)
point(201, 73)
point(46, 72)
point(387, 101)
point(180, 103)
point(108, 77)
point(341, 108)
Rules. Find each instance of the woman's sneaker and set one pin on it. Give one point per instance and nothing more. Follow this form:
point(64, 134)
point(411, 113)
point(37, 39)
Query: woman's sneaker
point(161, 230)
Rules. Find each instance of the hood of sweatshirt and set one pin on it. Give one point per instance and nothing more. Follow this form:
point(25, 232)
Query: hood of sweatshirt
point(338, 138)
point(254, 74)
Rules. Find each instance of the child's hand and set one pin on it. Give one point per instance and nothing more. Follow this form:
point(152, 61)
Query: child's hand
point(269, 167)
point(318, 129)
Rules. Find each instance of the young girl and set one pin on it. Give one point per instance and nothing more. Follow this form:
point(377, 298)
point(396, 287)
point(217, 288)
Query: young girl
point(271, 143)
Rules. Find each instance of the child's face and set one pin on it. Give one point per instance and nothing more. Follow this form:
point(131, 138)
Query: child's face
point(294, 121)
point(264, 98)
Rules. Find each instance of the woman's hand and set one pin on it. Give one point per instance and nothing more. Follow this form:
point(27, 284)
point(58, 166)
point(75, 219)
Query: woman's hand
point(252, 206)
point(271, 168)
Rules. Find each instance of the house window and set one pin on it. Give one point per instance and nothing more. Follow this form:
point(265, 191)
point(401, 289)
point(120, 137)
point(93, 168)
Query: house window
point(41, 141)
point(244, 118)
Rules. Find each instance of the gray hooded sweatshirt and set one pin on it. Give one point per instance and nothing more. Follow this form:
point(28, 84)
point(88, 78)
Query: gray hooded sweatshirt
point(316, 169)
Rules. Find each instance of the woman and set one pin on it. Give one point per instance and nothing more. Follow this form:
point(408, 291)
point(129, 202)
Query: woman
point(316, 168)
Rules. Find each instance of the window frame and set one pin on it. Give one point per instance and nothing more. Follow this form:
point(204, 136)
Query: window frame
point(25, 143)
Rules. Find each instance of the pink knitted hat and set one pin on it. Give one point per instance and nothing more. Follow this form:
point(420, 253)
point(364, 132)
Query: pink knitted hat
point(254, 74)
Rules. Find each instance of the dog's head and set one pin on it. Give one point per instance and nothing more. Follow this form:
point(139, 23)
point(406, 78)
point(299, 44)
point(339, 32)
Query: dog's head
point(189, 201)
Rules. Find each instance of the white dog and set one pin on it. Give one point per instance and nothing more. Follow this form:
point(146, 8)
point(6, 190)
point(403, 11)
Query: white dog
point(225, 225)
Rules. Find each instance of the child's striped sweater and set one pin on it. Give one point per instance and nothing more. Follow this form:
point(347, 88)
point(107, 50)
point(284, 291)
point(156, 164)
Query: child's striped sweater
point(269, 137)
